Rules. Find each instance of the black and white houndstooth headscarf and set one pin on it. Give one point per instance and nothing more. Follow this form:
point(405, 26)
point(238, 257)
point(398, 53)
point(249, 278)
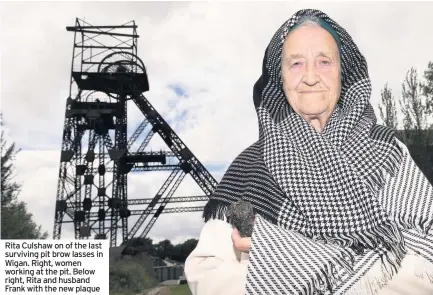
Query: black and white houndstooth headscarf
point(330, 204)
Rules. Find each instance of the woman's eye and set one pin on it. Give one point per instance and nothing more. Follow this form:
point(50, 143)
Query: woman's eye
point(296, 64)
point(325, 62)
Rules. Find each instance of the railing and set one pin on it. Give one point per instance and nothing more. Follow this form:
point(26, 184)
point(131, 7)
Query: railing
point(165, 273)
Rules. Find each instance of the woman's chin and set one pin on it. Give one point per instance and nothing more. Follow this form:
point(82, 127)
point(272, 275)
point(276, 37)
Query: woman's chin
point(314, 112)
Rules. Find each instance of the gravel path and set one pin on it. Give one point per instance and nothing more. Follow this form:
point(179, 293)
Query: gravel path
point(158, 290)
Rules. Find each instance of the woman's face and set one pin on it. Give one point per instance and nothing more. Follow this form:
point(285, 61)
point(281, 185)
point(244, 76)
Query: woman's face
point(311, 73)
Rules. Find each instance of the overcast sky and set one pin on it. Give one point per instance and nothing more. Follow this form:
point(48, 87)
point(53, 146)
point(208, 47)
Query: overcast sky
point(202, 60)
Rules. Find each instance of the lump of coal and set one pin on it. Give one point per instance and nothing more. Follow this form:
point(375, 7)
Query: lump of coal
point(241, 216)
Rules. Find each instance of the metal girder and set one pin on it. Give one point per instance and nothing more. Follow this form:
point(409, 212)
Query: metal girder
point(198, 172)
point(132, 202)
point(172, 200)
point(94, 215)
point(154, 201)
point(146, 141)
point(119, 186)
point(162, 205)
point(137, 133)
point(103, 78)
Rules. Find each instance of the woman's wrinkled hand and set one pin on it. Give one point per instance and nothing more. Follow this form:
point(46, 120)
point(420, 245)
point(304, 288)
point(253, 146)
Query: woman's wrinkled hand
point(240, 244)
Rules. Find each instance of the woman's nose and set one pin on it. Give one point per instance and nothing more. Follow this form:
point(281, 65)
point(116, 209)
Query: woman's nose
point(310, 77)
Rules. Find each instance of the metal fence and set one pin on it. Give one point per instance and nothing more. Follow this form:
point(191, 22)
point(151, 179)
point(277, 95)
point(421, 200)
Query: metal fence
point(165, 273)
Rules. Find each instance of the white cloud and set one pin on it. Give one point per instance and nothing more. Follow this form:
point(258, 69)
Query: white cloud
point(214, 51)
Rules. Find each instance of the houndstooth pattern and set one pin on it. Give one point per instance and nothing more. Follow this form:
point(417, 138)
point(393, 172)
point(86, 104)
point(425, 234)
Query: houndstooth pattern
point(408, 198)
point(332, 203)
point(334, 176)
point(285, 262)
point(287, 273)
point(248, 179)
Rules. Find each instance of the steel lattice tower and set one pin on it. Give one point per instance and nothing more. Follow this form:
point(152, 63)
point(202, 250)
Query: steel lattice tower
point(96, 155)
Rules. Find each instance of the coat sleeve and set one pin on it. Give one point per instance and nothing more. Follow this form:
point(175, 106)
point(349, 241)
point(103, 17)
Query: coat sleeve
point(214, 267)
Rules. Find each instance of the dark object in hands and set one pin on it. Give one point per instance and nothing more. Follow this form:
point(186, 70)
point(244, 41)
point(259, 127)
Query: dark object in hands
point(241, 216)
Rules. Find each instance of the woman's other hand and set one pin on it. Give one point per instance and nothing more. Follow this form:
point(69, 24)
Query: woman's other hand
point(240, 244)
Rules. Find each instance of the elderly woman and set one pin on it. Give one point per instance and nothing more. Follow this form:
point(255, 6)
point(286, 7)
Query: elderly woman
point(340, 207)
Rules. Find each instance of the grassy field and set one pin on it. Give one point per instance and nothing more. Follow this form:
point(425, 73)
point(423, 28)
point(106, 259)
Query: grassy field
point(180, 290)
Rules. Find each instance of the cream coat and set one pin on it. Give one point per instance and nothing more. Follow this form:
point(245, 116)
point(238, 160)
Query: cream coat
point(216, 268)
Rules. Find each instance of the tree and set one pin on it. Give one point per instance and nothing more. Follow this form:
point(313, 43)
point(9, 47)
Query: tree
point(139, 245)
point(182, 251)
point(188, 246)
point(417, 126)
point(9, 187)
point(16, 221)
point(388, 111)
point(164, 249)
point(414, 107)
point(178, 254)
point(428, 87)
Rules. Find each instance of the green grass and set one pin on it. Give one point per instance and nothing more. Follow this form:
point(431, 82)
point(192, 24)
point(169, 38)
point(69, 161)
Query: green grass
point(180, 290)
